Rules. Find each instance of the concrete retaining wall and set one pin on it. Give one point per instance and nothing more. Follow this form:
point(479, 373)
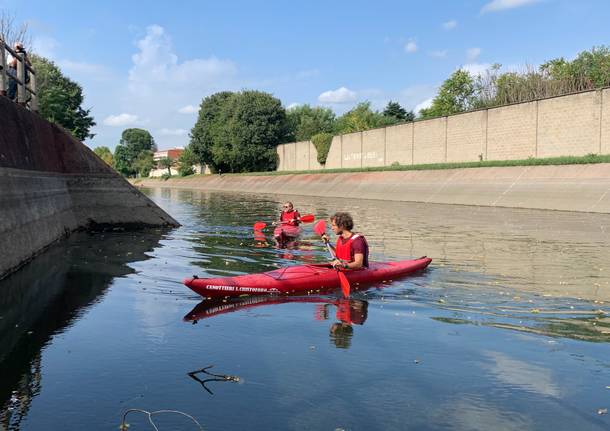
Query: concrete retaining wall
point(51, 185)
point(573, 125)
point(584, 188)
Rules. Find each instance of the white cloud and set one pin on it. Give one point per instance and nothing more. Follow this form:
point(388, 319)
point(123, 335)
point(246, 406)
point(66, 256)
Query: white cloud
point(293, 105)
point(450, 25)
point(476, 69)
point(439, 54)
point(173, 132)
point(120, 120)
point(499, 5)
point(188, 109)
point(423, 105)
point(156, 69)
point(411, 47)
point(473, 53)
point(340, 95)
point(160, 86)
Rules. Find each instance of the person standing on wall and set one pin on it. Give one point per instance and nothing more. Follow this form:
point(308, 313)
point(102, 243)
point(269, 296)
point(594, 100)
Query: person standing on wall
point(12, 70)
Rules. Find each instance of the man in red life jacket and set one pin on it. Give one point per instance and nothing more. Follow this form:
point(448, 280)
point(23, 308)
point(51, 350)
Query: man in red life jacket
point(351, 250)
point(289, 216)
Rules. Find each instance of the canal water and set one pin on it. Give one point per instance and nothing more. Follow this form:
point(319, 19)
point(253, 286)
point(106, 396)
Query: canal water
point(506, 330)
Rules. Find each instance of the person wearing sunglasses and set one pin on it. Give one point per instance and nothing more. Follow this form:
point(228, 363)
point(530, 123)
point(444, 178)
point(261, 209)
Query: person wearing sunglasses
point(289, 216)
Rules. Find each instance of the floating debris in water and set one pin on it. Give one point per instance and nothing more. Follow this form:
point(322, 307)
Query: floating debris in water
point(602, 411)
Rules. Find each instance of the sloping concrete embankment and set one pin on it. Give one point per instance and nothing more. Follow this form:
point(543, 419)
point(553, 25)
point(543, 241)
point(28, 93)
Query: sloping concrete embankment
point(51, 184)
point(583, 188)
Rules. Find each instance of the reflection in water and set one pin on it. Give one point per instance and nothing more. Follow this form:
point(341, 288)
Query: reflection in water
point(46, 296)
point(474, 413)
point(348, 311)
point(441, 350)
point(576, 327)
point(517, 374)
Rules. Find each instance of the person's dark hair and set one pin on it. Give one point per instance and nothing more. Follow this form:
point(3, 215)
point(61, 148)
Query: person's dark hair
point(341, 335)
point(343, 220)
point(358, 311)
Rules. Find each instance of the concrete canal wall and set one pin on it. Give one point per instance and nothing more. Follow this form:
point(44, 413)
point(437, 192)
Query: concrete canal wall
point(51, 184)
point(584, 188)
point(573, 125)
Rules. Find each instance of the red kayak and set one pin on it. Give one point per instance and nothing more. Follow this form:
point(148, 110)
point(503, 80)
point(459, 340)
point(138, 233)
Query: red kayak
point(301, 279)
point(286, 232)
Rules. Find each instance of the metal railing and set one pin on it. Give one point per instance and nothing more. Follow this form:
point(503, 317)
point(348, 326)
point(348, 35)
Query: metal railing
point(25, 78)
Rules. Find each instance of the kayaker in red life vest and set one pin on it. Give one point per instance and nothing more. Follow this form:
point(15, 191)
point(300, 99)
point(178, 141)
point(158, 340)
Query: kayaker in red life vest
point(289, 216)
point(351, 250)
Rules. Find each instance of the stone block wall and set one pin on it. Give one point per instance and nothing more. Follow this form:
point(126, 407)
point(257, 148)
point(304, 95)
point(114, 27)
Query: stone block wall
point(399, 144)
point(430, 141)
point(572, 125)
point(466, 136)
point(569, 126)
point(511, 132)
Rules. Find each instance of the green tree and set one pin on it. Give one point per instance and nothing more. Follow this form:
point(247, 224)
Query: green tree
point(455, 95)
point(207, 128)
point(253, 124)
point(322, 142)
point(592, 66)
point(393, 109)
point(166, 163)
point(105, 154)
point(133, 142)
point(362, 117)
point(122, 161)
point(60, 99)
point(186, 160)
point(144, 163)
point(305, 121)
point(137, 140)
point(397, 113)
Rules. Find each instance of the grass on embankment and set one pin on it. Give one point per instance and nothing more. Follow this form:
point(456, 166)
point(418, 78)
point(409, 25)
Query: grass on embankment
point(565, 160)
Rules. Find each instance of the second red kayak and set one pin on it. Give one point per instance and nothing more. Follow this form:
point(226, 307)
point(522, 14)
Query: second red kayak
point(286, 232)
point(301, 279)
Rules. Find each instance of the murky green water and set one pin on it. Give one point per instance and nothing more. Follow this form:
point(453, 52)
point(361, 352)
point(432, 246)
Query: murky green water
point(507, 329)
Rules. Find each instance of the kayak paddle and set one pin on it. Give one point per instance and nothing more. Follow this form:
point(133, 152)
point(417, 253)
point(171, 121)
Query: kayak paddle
point(307, 218)
point(320, 229)
point(259, 225)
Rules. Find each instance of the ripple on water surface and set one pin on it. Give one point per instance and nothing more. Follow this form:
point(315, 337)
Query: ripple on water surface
point(506, 330)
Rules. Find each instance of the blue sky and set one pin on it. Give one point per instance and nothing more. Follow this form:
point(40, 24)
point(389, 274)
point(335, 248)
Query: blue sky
point(148, 64)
